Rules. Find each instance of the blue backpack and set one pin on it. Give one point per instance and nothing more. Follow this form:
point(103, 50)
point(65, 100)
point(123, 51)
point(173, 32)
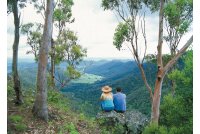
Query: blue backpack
point(107, 105)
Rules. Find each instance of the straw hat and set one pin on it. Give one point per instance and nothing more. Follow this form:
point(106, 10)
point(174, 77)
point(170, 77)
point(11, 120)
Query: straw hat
point(106, 89)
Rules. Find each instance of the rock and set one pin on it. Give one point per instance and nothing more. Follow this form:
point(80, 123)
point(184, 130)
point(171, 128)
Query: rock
point(135, 122)
point(130, 122)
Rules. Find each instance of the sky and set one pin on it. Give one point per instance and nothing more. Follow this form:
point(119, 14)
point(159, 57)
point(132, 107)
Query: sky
point(95, 29)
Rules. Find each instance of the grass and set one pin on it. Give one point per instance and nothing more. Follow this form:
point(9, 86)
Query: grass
point(88, 78)
point(15, 118)
point(18, 123)
point(21, 127)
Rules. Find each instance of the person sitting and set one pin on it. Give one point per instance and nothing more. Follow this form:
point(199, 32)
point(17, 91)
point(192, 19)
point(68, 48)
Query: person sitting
point(119, 100)
point(106, 98)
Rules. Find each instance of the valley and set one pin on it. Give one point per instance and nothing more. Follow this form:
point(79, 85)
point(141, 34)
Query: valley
point(85, 91)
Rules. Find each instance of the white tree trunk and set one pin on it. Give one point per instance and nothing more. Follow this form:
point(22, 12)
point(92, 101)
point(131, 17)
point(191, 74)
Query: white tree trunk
point(40, 108)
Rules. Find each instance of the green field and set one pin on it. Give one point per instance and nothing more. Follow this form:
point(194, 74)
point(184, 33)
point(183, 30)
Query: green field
point(88, 78)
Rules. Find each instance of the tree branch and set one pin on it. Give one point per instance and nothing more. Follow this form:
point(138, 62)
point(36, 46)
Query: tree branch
point(178, 55)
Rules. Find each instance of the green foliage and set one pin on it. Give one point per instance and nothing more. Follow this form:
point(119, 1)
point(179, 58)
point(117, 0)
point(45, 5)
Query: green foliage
point(122, 33)
point(18, 123)
point(54, 96)
point(34, 37)
point(15, 118)
point(21, 127)
point(179, 130)
point(69, 127)
point(82, 116)
point(58, 14)
point(179, 14)
point(104, 131)
point(62, 13)
point(72, 72)
point(26, 28)
point(110, 127)
point(155, 129)
point(114, 4)
point(57, 99)
point(184, 76)
point(10, 91)
point(110, 4)
point(176, 111)
point(67, 49)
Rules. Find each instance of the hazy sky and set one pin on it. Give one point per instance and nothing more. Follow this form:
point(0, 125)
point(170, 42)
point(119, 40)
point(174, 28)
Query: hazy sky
point(95, 29)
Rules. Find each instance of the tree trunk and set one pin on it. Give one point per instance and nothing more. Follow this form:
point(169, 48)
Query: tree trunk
point(155, 113)
point(155, 109)
point(40, 105)
point(52, 64)
point(17, 85)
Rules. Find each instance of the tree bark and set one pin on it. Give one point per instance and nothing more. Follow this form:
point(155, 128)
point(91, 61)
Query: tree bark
point(52, 64)
point(17, 85)
point(40, 108)
point(155, 109)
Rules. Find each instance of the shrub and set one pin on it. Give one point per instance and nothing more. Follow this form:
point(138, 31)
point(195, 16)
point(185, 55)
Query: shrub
point(154, 129)
point(69, 127)
point(21, 127)
point(54, 96)
point(104, 131)
point(15, 118)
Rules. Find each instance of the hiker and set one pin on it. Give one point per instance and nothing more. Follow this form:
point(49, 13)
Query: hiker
point(119, 100)
point(107, 99)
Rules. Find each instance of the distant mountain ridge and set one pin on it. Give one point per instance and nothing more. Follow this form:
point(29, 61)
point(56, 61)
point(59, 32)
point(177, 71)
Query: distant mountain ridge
point(112, 68)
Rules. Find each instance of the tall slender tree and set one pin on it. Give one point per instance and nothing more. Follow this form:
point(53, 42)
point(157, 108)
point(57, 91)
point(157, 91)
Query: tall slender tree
point(40, 108)
point(17, 85)
point(12, 6)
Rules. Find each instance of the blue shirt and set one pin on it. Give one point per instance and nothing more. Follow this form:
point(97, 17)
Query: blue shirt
point(119, 100)
point(107, 105)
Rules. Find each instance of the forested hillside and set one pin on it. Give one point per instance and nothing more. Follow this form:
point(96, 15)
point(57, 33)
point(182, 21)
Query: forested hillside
point(105, 73)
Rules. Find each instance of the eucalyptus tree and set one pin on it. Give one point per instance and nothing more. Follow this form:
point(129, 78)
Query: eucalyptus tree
point(127, 32)
point(14, 6)
point(34, 37)
point(40, 108)
point(68, 50)
point(61, 16)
